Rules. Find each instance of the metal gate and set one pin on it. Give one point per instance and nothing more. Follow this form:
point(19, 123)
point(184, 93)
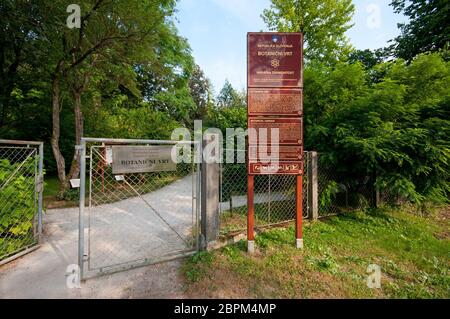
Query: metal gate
point(133, 217)
point(21, 186)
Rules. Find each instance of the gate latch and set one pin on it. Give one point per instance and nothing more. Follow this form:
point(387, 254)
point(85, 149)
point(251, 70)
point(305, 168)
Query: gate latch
point(40, 184)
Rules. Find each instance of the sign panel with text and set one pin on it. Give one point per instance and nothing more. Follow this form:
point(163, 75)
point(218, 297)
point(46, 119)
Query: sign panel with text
point(142, 159)
point(260, 130)
point(274, 60)
point(275, 102)
point(285, 168)
point(266, 152)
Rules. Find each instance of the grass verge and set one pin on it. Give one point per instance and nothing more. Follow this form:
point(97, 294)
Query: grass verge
point(412, 251)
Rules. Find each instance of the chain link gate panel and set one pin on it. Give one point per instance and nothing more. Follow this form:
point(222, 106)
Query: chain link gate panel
point(134, 219)
point(21, 186)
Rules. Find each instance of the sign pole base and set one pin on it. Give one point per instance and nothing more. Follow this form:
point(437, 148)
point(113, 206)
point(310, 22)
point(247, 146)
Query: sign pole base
point(299, 208)
point(251, 246)
point(250, 215)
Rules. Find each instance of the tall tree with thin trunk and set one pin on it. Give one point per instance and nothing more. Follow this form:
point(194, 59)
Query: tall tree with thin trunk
point(113, 36)
point(322, 22)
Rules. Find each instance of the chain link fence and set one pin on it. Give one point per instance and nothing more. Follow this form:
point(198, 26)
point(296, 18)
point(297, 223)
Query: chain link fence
point(275, 195)
point(274, 198)
point(338, 194)
point(20, 197)
point(137, 218)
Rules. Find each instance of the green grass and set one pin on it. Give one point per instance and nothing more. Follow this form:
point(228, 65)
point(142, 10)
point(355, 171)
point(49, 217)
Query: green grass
point(412, 251)
point(51, 198)
point(51, 186)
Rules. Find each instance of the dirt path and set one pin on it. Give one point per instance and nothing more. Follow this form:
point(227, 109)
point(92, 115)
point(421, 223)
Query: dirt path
point(259, 198)
point(119, 232)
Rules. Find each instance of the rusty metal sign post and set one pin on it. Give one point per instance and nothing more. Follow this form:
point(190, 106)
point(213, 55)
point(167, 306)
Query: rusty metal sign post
point(275, 101)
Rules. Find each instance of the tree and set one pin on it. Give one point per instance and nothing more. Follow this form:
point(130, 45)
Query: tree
point(54, 75)
point(229, 97)
point(21, 84)
point(111, 39)
point(396, 130)
point(322, 22)
point(164, 81)
point(367, 57)
point(327, 91)
point(110, 34)
point(201, 92)
point(428, 28)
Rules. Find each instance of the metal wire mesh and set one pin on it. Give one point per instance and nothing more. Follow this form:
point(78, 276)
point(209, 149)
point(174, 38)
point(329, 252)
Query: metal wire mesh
point(138, 217)
point(388, 197)
point(274, 198)
point(339, 192)
point(18, 198)
point(274, 195)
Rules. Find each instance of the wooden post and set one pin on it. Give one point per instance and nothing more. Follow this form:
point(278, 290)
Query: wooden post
point(250, 215)
point(299, 208)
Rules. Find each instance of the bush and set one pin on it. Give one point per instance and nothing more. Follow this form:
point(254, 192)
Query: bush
point(17, 209)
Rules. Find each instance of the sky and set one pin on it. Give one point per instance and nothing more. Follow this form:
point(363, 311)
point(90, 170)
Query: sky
point(217, 30)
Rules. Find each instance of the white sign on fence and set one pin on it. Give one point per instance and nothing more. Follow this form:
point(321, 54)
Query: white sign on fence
point(142, 159)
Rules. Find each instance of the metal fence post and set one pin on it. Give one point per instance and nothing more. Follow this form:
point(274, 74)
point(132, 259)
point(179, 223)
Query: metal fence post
point(82, 149)
point(198, 191)
point(41, 188)
point(210, 173)
point(313, 185)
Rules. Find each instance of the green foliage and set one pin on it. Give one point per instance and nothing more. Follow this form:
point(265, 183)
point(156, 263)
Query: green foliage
point(128, 62)
point(235, 117)
point(412, 255)
point(120, 121)
point(388, 121)
point(324, 262)
point(71, 195)
point(328, 194)
point(201, 92)
point(323, 23)
point(237, 258)
point(18, 205)
point(427, 30)
point(395, 131)
point(367, 57)
point(230, 98)
point(194, 267)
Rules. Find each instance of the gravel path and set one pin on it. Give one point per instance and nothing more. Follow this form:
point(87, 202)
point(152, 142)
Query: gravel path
point(120, 232)
point(259, 198)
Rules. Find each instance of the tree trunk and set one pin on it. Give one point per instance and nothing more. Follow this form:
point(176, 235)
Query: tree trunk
point(75, 166)
point(60, 163)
